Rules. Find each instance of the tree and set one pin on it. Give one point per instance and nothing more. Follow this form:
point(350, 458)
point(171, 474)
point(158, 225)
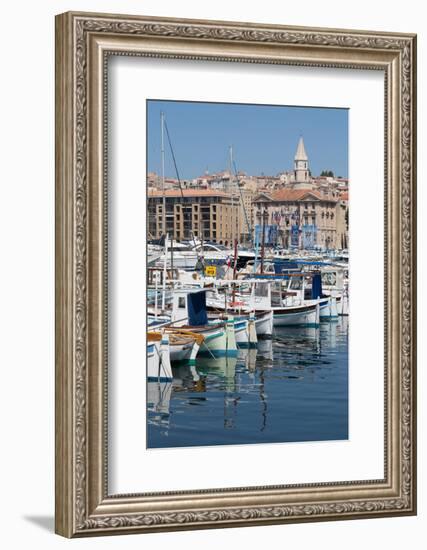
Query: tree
point(327, 173)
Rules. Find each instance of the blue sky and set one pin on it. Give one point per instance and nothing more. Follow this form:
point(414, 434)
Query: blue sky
point(264, 138)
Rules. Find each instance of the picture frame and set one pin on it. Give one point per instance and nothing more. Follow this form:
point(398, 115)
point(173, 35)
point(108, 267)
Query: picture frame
point(84, 41)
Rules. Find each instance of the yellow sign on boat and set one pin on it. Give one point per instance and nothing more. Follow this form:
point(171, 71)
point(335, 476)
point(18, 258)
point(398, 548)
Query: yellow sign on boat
point(210, 270)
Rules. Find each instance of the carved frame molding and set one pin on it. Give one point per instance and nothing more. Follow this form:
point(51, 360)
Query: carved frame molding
point(83, 44)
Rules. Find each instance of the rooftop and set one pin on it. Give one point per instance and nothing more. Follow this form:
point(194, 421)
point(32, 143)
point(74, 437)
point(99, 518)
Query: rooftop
point(186, 193)
point(291, 195)
point(294, 194)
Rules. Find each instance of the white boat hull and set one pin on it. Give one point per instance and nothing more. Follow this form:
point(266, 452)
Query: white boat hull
point(180, 352)
point(342, 305)
point(303, 316)
point(328, 309)
point(152, 360)
point(158, 360)
point(241, 332)
point(264, 324)
point(218, 342)
point(180, 260)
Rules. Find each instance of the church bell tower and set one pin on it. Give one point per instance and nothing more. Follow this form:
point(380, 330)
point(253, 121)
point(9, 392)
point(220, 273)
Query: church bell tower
point(302, 178)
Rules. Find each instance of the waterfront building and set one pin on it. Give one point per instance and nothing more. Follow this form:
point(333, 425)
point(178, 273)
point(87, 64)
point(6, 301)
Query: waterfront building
point(342, 220)
point(302, 211)
point(303, 218)
point(202, 213)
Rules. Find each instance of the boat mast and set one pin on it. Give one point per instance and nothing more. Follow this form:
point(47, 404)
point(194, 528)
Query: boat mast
point(162, 117)
point(162, 121)
point(263, 240)
point(233, 228)
point(165, 273)
point(234, 270)
point(162, 125)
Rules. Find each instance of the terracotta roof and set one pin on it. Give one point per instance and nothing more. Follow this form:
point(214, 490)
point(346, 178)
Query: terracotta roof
point(186, 193)
point(344, 196)
point(291, 195)
point(294, 194)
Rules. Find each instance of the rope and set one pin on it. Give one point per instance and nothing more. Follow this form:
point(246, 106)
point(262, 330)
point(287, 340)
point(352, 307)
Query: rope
point(210, 353)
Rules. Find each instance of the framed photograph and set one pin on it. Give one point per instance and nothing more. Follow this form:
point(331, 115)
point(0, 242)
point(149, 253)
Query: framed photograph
point(235, 274)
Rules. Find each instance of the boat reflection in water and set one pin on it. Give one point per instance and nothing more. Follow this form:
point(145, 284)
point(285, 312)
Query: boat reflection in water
point(293, 387)
point(158, 403)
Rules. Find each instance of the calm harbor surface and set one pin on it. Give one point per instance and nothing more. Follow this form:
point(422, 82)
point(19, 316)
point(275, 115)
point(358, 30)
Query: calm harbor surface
point(291, 388)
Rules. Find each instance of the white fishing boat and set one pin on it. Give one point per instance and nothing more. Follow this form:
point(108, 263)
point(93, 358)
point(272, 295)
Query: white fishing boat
point(189, 313)
point(334, 284)
point(298, 314)
point(183, 345)
point(181, 255)
point(301, 315)
point(154, 254)
point(245, 331)
point(215, 253)
point(264, 324)
point(154, 319)
point(239, 304)
point(241, 332)
point(158, 357)
point(297, 292)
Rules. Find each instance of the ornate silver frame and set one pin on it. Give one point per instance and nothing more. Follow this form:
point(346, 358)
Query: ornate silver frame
point(83, 42)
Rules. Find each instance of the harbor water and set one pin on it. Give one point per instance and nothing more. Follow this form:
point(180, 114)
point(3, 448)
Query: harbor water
point(291, 388)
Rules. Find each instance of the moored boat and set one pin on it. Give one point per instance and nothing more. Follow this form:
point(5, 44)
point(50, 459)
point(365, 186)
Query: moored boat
point(189, 313)
point(299, 315)
point(158, 357)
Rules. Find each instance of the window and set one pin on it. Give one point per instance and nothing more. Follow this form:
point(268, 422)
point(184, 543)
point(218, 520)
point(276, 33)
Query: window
point(181, 302)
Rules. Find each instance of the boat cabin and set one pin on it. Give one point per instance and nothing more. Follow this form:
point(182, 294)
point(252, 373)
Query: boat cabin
point(189, 308)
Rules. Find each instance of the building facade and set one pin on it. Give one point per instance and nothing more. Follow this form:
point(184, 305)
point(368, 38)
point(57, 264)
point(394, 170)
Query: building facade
point(202, 213)
point(303, 218)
